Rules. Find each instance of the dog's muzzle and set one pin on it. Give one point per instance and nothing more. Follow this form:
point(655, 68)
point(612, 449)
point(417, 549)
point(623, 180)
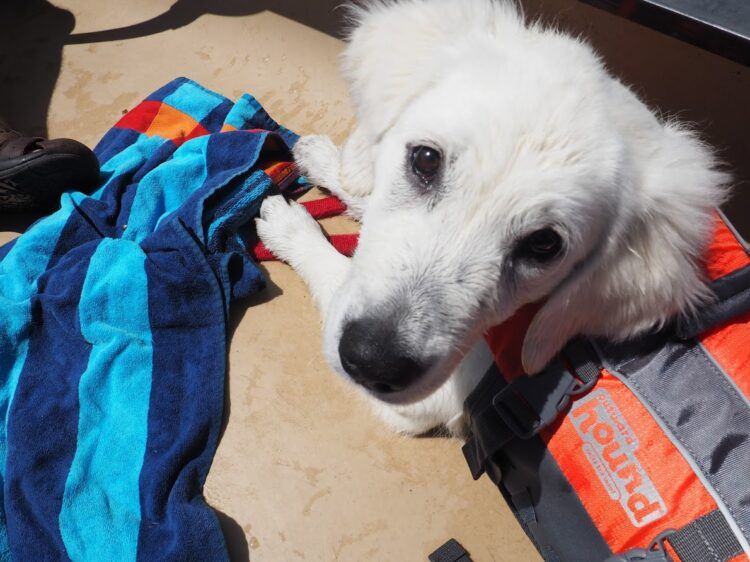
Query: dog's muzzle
point(374, 357)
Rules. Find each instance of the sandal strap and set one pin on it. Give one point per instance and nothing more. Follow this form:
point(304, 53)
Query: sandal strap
point(13, 145)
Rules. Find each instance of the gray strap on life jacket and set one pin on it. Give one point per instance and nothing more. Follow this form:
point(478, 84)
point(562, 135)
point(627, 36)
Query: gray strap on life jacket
point(500, 412)
point(707, 539)
point(732, 298)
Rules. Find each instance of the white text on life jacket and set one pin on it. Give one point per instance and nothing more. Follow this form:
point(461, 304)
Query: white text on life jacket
point(610, 445)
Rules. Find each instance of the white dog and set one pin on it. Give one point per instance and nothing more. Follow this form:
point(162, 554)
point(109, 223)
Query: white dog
point(494, 164)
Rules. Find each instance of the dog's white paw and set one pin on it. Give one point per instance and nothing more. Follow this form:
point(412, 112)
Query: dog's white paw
point(320, 160)
point(284, 227)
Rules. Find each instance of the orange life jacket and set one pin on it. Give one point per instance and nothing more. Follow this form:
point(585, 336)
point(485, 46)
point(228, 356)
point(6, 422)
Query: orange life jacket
point(634, 451)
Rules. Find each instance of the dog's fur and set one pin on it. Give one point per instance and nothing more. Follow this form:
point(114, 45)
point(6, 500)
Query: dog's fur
point(534, 133)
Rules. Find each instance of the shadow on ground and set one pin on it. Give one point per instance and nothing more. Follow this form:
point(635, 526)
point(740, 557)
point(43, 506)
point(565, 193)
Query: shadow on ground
point(237, 312)
point(234, 535)
point(35, 32)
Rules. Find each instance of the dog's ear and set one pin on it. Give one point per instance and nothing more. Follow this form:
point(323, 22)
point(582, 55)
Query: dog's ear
point(649, 270)
point(397, 50)
point(550, 329)
point(389, 59)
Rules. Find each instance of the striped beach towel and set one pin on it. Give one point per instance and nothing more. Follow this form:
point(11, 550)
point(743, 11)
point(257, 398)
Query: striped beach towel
point(113, 334)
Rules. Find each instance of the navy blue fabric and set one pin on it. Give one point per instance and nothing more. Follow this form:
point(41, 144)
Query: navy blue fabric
point(175, 524)
point(42, 432)
point(113, 141)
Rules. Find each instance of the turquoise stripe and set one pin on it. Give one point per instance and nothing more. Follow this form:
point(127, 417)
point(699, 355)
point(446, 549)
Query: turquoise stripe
point(192, 99)
point(244, 198)
point(130, 159)
point(19, 271)
point(166, 188)
point(101, 513)
point(242, 111)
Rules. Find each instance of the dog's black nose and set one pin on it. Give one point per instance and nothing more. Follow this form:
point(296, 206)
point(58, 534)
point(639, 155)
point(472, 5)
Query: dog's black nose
point(373, 357)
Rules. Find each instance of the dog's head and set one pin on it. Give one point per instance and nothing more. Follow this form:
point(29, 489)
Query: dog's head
point(508, 168)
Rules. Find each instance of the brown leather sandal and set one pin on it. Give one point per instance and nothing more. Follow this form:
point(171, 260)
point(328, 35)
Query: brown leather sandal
point(34, 172)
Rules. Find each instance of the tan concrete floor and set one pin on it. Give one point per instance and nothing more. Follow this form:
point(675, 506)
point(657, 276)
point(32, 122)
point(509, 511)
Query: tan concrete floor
point(303, 470)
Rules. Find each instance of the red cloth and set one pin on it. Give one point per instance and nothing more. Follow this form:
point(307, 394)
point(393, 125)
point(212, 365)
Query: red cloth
point(320, 209)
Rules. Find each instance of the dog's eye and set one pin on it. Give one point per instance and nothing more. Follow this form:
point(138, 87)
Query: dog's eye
point(425, 161)
point(541, 245)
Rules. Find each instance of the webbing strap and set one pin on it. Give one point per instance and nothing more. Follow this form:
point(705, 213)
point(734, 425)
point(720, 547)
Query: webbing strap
point(732, 298)
point(707, 539)
point(488, 432)
point(583, 359)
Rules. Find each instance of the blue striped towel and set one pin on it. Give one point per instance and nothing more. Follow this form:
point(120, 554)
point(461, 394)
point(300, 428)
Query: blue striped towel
point(113, 334)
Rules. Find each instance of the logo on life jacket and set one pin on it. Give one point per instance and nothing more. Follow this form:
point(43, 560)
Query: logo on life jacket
point(609, 444)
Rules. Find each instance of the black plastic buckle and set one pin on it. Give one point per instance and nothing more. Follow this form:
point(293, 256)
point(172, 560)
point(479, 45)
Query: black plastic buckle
point(659, 543)
point(656, 552)
point(531, 403)
point(451, 551)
